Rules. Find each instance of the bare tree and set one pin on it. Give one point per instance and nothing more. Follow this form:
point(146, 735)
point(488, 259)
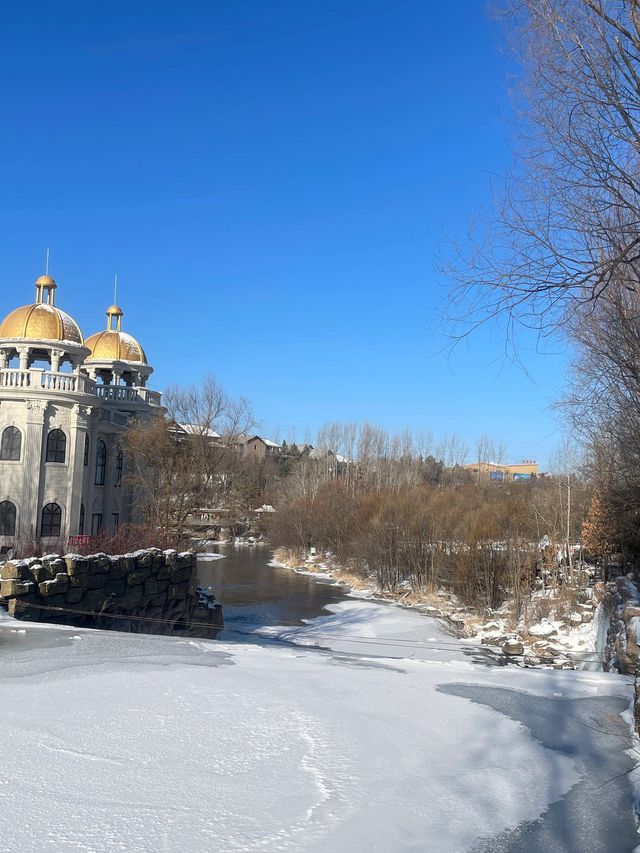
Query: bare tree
point(565, 465)
point(566, 225)
point(184, 460)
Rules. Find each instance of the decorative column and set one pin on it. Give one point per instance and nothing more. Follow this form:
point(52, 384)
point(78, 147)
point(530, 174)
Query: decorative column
point(79, 426)
point(33, 460)
point(56, 355)
point(23, 353)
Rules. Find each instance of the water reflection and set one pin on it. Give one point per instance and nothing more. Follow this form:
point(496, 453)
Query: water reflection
point(254, 594)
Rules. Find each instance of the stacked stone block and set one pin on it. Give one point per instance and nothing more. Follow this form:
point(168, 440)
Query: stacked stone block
point(149, 591)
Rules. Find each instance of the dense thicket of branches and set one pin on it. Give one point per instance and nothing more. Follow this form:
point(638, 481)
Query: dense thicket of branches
point(602, 405)
point(484, 541)
point(423, 522)
point(176, 472)
point(562, 253)
point(567, 222)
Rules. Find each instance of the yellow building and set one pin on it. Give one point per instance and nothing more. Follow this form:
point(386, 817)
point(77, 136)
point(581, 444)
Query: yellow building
point(525, 470)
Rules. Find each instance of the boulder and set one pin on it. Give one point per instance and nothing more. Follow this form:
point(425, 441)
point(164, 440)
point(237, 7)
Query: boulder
point(99, 568)
point(76, 565)
point(144, 560)
point(164, 573)
point(12, 588)
point(55, 565)
point(150, 586)
point(115, 587)
point(178, 575)
point(20, 609)
point(96, 581)
point(513, 647)
point(74, 595)
point(16, 571)
point(542, 629)
point(118, 568)
point(58, 586)
point(41, 573)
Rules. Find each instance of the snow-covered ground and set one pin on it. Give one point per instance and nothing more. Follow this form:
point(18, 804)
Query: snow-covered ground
point(116, 742)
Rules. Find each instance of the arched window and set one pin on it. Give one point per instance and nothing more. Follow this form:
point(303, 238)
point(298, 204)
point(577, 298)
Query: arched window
point(119, 467)
point(51, 520)
point(81, 525)
point(11, 444)
point(56, 446)
point(86, 450)
point(101, 462)
point(7, 519)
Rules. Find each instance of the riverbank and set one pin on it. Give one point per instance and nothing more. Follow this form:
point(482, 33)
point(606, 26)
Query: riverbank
point(110, 739)
point(562, 629)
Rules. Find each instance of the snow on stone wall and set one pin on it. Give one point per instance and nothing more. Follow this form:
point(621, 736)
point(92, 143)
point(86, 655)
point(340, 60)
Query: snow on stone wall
point(149, 591)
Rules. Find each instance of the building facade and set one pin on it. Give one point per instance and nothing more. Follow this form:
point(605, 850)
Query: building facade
point(526, 470)
point(64, 403)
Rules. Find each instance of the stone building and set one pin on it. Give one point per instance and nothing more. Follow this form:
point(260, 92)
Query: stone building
point(64, 402)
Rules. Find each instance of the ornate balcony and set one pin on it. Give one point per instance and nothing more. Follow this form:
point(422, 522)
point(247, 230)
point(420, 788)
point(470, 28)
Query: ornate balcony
point(46, 380)
point(37, 379)
point(127, 394)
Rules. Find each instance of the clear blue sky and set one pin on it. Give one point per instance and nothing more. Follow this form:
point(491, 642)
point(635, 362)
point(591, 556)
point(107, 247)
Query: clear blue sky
point(272, 182)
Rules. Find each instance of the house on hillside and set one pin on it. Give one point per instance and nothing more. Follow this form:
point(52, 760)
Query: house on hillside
point(183, 431)
point(259, 448)
point(336, 463)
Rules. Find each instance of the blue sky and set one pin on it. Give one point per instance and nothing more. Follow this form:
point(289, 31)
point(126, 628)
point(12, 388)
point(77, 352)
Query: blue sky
point(273, 183)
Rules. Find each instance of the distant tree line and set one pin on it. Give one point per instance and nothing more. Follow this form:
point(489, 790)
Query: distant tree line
point(409, 521)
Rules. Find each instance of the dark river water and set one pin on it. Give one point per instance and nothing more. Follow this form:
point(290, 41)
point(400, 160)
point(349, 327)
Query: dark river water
point(254, 594)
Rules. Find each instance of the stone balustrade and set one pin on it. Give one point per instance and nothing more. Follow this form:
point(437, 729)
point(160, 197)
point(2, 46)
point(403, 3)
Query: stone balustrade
point(127, 394)
point(47, 380)
point(37, 379)
point(150, 591)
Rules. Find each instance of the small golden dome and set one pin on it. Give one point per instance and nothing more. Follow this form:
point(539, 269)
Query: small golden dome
point(46, 280)
point(113, 345)
point(40, 321)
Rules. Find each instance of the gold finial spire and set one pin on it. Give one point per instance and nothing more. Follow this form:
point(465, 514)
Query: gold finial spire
point(45, 285)
point(45, 289)
point(114, 311)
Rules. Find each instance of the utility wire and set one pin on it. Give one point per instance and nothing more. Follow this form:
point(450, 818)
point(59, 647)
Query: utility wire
point(390, 642)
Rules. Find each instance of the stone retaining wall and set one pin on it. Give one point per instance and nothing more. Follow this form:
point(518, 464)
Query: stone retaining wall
point(622, 600)
point(150, 591)
point(622, 654)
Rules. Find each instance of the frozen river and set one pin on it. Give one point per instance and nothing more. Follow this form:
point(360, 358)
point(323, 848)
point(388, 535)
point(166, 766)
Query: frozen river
point(594, 815)
point(344, 725)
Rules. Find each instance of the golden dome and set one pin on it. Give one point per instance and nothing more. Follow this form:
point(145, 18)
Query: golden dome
point(112, 345)
point(40, 321)
point(45, 280)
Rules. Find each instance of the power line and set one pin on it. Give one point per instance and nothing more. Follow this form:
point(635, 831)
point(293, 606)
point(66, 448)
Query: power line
point(389, 642)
